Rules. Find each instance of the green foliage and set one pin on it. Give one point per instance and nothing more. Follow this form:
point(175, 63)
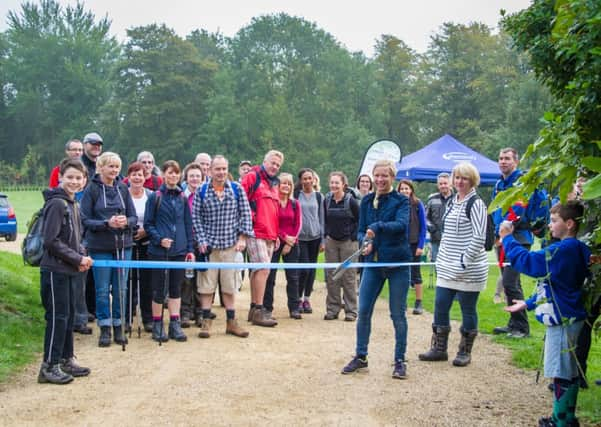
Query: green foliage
point(21, 314)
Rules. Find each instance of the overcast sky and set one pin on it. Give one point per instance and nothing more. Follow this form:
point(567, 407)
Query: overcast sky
point(355, 24)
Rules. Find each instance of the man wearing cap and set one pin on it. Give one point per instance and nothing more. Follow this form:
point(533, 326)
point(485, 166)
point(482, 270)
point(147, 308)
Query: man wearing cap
point(243, 169)
point(92, 147)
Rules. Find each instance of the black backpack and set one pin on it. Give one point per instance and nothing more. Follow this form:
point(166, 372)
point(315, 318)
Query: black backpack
point(32, 248)
point(489, 233)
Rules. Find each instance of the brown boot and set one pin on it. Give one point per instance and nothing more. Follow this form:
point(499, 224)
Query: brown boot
point(262, 318)
point(205, 328)
point(233, 328)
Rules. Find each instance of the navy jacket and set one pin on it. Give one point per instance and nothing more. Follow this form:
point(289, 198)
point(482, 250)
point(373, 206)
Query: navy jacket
point(170, 219)
point(390, 223)
point(98, 204)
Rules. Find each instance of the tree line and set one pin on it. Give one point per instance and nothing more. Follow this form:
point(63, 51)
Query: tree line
point(280, 82)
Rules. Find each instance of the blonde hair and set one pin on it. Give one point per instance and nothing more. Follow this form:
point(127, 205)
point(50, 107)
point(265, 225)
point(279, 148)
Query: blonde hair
point(108, 157)
point(389, 164)
point(467, 170)
point(284, 176)
point(274, 153)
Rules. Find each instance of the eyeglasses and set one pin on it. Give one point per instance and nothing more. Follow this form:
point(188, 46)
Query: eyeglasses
point(147, 162)
point(76, 149)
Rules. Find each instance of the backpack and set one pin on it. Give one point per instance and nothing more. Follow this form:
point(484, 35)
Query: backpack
point(347, 203)
point(32, 248)
point(235, 189)
point(489, 232)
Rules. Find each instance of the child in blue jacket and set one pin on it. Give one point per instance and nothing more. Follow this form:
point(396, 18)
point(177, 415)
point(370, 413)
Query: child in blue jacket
point(557, 302)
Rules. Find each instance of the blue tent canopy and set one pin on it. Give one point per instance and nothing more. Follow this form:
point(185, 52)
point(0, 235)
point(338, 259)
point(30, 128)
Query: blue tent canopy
point(441, 156)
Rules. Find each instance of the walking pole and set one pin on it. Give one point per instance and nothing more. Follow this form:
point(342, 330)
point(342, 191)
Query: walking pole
point(120, 284)
point(165, 290)
point(138, 306)
point(130, 302)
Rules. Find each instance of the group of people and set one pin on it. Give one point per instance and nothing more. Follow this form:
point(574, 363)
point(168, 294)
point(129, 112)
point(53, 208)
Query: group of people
point(202, 212)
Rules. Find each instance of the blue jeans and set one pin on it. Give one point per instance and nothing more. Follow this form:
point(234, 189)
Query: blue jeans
point(107, 281)
point(467, 301)
point(372, 282)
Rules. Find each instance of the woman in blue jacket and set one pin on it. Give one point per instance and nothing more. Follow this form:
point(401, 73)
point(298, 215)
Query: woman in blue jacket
point(168, 222)
point(109, 217)
point(383, 222)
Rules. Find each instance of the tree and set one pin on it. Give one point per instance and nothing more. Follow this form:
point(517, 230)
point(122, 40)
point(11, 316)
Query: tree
point(563, 39)
point(55, 74)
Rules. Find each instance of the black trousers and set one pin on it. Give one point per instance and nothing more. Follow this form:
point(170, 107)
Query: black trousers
point(176, 276)
point(56, 290)
point(309, 251)
point(90, 293)
point(583, 345)
point(513, 291)
point(292, 276)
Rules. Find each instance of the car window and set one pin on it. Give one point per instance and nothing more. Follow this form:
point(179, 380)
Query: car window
point(3, 202)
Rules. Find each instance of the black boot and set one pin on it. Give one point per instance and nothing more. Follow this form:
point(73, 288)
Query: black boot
point(175, 331)
point(438, 350)
point(119, 337)
point(105, 336)
point(53, 374)
point(158, 331)
point(70, 366)
point(464, 355)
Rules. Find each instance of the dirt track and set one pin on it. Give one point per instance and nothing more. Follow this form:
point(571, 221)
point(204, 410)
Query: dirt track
point(289, 375)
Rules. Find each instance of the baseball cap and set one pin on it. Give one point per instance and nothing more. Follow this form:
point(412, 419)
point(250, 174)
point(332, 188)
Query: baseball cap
point(92, 138)
point(245, 162)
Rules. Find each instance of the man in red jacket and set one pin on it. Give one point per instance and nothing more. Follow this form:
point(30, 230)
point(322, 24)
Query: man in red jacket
point(261, 186)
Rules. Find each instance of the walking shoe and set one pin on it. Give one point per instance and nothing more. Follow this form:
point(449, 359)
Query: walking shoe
point(147, 326)
point(233, 328)
point(119, 338)
point(104, 340)
point(82, 329)
point(418, 309)
point(357, 364)
point(330, 316)
point(350, 317)
point(261, 318)
point(517, 334)
point(307, 307)
point(251, 313)
point(400, 370)
point(185, 322)
point(70, 366)
point(175, 331)
point(91, 317)
point(212, 315)
point(295, 314)
point(205, 328)
point(53, 374)
point(501, 330)
point(158, 331)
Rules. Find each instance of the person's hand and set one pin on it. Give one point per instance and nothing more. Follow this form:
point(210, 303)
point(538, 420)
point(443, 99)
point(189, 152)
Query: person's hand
point(277, 244)
point(505, 229)
point(140, 234)
point(286, 249)
point(322, 247)
point(203, 249)
point(120, 221)
point(85, 264)
point(290, 240)
point(166, 243)
point(241, 244)
point(367, 250)
point(419, 251)
point(369, 234)
point(190, 257)
point(518, 305)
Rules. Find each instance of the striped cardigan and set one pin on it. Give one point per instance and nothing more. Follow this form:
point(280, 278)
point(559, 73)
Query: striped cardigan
point(461, 263)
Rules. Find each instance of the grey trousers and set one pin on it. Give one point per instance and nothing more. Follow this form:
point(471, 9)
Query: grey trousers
point(338, 251)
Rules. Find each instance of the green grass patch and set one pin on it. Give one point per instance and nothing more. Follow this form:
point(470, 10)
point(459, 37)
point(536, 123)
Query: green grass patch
point(25, 204)
point(21, 314)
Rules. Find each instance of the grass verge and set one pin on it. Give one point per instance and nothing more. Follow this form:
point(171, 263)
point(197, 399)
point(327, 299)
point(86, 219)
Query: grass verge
point(25, 204)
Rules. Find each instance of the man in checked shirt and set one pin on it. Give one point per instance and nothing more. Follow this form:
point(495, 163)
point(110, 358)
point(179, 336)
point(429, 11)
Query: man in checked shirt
point(221, 220)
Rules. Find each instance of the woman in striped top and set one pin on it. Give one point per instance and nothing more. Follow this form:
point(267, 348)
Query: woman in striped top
point(461, 266)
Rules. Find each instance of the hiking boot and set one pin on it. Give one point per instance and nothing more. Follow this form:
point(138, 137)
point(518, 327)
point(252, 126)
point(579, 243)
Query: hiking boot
point(175, 331)
point(517, 334)
point(307, 307)
point(357, 364)
point(147, 326)
point(251, 313)
point(501, 330)
point(350, 317)
point(158, 332)
point(53, 374)
point(295, 314)
point(464, 355)
point(119, 338)
point(104, 340)
point(82, 329)
point(70, 366)
point(438, 346)
point(205, 328)
point(185, 322)
point(212, 315)
point(400, 370)
point(330, 316)
point(419, 308)
point(233, 328)
point(269, 313)
point(261, 318)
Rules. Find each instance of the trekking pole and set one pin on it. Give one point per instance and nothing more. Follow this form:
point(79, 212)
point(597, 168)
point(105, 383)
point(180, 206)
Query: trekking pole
point(165, 290)
point(130, 302)
point(540, 361)
point(120, 255)
point(138, 306)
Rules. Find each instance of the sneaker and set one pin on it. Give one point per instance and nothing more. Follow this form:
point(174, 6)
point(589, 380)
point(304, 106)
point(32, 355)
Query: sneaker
point(82, 329)
point(70, 366)
point(517, 334)
point(295, 314)
point(307, 307)
point(400, 370)
point(501, 330)
point(419, 309)
point(357, 364)
point(53, 374)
